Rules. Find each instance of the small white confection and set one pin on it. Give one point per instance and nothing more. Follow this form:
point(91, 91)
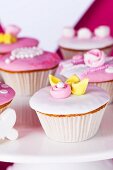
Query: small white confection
point(26, 52)
point(3, 91)
point(68, 32)
point(109, 69)
point(102, 31)
point(84, 33)
point(7, 121)
point(60, 85)
point(7, 61)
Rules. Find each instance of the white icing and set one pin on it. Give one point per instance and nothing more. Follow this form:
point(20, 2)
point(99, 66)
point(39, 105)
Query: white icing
point(68, 32)
point(3, 91)
point(94, 98)
point(21, 53)
point(102, 31)
point(67, 71)
point(109, 69)
point(85, 44)
point(84, 33)
point(60, 85)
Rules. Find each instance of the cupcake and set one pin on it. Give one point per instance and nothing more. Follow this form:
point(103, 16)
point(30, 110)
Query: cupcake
point(27, 69)
point(94, 65)
point(70, 111)
point(78, 42)
point(9, 39)
point(6, 96)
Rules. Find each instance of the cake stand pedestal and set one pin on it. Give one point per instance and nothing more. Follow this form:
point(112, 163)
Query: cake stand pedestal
point(33, 150)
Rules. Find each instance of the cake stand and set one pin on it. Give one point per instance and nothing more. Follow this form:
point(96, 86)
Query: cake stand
point(33, 150)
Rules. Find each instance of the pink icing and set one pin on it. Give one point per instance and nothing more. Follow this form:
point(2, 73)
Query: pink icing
point(12, 29)
point(21, 42)
point(94, 58)
point(47, 60)
point(61, 93)
point(6, 94)
point(97, 74)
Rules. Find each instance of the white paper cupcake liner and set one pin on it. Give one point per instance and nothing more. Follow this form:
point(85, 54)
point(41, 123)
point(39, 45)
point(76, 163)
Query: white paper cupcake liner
point(71, 128)
point(108, 86)
point(27, 83)
point(68, 53)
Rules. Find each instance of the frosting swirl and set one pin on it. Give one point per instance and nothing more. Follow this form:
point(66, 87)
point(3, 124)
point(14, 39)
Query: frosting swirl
point(94, 58)
point(60, 90)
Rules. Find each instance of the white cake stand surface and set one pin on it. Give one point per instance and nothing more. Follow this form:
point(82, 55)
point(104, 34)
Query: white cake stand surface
point(34, 149)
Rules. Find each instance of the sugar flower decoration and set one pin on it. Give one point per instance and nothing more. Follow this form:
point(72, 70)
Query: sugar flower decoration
point(72, 85)
point(8, 35)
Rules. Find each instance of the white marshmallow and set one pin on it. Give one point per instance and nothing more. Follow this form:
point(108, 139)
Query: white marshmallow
point(84, 33)
point(102, 31)
point(68, 32)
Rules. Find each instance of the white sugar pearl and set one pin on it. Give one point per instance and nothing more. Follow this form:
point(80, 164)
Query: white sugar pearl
point(109, 70)
point(7, 61)
point(60, 85)
point(4, 86)
point(3, 91)
point(12, 57)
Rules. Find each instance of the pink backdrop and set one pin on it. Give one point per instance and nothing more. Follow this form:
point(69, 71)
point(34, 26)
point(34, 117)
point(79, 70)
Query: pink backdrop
point(101, 12)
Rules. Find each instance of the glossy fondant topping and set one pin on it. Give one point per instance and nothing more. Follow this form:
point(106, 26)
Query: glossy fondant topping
point(84, 39)
point(94, 98)
point(6, 94)
point(41, 61)
point(97, 68)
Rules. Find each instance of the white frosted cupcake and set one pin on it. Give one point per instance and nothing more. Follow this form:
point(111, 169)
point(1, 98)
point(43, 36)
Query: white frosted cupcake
point(27, 69)
point(94, 65)
point(78, 42)
point(66, 113)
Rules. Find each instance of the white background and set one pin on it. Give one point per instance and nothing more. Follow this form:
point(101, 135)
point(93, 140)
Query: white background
point(43, 19)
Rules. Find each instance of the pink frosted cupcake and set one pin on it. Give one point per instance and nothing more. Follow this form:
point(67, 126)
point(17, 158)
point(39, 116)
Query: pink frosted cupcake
point(70, 111)
point(27, 69)
point(78, 42)
point(6, 96)
point(9, 39)
point(94, 65)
